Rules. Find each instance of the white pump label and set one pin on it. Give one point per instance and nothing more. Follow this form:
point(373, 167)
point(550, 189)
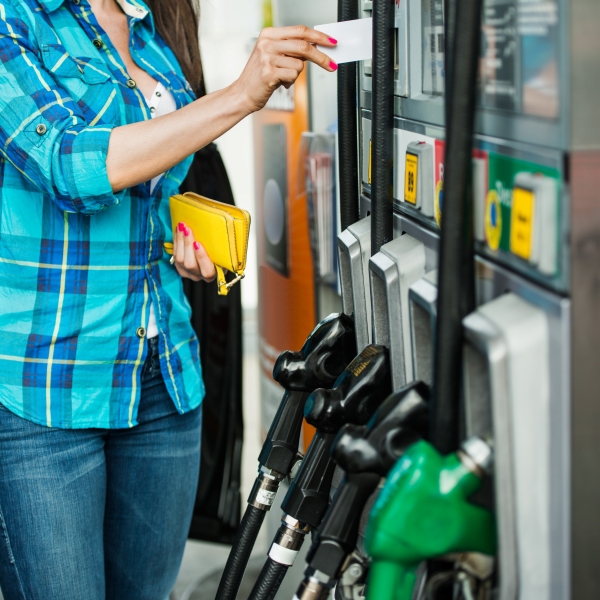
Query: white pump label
point(265, 497)
point(283, 556)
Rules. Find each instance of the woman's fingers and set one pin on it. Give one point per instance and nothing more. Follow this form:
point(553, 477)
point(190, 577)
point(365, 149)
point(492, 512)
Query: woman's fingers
point(288, 62)
point(301, 32)
point(191, 259)
point(179, 246)
point(303, 50)
point(207, 267)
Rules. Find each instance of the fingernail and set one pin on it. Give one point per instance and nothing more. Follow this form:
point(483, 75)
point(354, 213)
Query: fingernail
point(181, 226)
point(196, 246)
point(333, 41)
point(186, 231)
point(333, 65)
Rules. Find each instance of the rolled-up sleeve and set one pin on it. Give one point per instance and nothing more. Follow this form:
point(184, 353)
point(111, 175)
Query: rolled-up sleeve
point(43, 133)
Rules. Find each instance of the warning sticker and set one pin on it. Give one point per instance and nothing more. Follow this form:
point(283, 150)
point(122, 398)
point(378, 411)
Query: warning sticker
point(410, 178)
point(521, 225)
point(493, 220)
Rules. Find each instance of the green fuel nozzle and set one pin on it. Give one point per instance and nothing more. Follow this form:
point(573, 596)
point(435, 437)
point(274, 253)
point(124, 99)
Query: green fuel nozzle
point(424, 512)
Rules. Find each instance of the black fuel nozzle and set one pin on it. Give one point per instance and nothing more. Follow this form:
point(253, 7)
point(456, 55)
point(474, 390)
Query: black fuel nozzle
point(325, 354)
point(356, 395)
point(327, 351)
point(366, 453)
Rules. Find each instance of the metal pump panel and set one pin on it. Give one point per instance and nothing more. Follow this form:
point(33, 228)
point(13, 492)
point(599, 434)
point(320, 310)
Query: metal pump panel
point(422, 298)
point(507, 393)
point(354, 251)
point(398, 265)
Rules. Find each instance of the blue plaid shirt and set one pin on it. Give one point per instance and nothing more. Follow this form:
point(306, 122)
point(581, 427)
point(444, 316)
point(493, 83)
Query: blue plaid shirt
point(79, 264)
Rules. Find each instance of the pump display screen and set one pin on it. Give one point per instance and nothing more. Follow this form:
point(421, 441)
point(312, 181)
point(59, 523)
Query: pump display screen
point(411, 179)
point(521, 226)
point(432, 24)
point(519, 66)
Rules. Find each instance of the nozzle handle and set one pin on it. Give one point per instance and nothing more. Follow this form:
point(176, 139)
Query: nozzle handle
point(308, 496)
point(281, 445)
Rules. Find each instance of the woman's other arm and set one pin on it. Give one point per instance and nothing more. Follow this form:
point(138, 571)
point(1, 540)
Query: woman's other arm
point(140, 151)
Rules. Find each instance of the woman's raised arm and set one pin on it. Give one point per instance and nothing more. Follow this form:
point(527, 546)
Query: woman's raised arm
point(140, 151)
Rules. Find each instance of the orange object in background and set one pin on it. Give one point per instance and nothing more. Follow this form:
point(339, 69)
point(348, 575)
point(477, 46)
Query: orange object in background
point(286, 291)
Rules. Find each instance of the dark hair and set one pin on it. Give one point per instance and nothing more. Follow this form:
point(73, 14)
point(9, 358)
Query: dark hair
point(177, 22)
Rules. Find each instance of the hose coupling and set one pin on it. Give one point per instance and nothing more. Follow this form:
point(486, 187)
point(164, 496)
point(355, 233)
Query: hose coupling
point(477, 456)
point(264, 491)
point(312, 589)
point(288, 541)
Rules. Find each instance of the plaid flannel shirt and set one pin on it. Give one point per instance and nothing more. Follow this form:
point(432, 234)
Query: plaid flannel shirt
point(79, 264)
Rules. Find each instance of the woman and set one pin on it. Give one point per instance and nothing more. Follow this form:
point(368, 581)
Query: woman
point(100, 381)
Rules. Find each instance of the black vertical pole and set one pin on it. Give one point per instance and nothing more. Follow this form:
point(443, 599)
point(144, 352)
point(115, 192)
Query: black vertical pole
point(347, 127)
point(456, 297)
point(383, 124)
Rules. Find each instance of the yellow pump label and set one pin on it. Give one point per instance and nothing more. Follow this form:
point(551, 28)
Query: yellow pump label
point(410, 178)
point(521, 225)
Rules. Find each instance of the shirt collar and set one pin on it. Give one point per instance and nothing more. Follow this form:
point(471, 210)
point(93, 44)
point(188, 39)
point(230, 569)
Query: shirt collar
point(136, 9)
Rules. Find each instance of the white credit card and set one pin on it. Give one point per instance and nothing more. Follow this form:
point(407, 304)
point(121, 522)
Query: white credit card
point(354, 40)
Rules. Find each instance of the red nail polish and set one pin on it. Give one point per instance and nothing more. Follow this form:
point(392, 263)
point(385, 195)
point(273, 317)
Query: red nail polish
point(333, 65)
point(196, 246)
point(333, 41)
point(186, 231)
point(181, 226)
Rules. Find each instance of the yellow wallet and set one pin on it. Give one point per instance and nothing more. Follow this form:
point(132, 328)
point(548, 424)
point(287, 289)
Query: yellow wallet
point(221, 228)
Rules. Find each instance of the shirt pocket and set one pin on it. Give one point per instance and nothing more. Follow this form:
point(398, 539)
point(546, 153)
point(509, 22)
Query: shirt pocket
point(87, 81)
point(62, 65)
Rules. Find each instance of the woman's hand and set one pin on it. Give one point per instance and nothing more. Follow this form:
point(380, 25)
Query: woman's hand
point(278, 59)
point(191, 259)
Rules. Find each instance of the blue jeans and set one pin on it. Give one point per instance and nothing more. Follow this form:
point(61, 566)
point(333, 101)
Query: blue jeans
point(98, 514)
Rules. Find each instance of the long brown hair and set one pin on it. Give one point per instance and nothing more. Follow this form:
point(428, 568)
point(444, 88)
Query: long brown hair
point(177, 21)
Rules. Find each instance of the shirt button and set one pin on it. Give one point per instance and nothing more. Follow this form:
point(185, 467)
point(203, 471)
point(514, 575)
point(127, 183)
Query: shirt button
point(152, 109)
point(76, 2)
point(131, 83)
point(141, 332)
point(98, 43)
point(149, 266)
point(158, 94)
point(80, 69)
point(41, 129)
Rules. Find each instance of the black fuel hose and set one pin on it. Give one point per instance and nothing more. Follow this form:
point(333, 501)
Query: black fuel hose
point(269, 581)
point(456, 296)
point(240, 553)
point(382, 198)
point(347, 82)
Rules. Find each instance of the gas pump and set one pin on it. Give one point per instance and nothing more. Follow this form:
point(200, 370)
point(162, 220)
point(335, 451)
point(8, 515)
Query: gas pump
point(357, 393)
point(424, 511)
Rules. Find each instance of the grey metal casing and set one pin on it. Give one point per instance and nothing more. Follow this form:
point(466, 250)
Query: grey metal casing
point(507, 374)
point(422, 298)
point(354, 251)
point(398, 265)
